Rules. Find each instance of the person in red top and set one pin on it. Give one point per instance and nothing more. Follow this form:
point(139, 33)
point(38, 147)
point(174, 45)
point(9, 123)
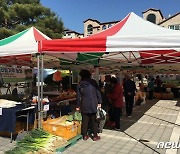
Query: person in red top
point(116, 98)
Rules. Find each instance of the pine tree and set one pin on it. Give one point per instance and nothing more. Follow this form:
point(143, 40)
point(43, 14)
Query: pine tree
point(18, 15)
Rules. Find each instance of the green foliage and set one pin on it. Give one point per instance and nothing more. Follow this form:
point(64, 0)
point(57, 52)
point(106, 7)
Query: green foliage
point(18, 15)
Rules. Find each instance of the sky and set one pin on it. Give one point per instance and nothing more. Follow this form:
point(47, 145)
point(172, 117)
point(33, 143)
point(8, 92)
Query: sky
point(74, 12)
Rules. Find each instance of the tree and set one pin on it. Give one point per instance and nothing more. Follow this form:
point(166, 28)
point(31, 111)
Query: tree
point(18, 15)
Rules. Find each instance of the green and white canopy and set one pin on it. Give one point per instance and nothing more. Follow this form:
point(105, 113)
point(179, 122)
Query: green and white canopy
point(25, 42)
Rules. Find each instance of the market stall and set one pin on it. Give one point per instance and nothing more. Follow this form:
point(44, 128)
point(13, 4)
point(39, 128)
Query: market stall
point(123, 43)
point(131, 42)
point(18, 50)
point(129, 35)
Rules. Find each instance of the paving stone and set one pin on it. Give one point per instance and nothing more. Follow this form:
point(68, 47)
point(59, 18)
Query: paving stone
point(111, 152)
point(101, 150)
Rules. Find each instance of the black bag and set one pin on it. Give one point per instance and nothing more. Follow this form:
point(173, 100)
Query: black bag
point(100, 115)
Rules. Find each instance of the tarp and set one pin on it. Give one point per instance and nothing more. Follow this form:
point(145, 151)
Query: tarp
point(131, 34)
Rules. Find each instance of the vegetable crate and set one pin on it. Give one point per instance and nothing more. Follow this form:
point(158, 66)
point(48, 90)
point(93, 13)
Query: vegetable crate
point(78, 123)
point(66, 130)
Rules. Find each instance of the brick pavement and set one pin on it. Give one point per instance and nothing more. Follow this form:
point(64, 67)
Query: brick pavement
point(150, 123)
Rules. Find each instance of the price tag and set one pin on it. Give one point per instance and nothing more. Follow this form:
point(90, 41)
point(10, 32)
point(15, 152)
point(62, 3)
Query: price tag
point(0, 111)
point(46, 107)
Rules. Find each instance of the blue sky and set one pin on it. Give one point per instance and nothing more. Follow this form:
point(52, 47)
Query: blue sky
point(74, 12)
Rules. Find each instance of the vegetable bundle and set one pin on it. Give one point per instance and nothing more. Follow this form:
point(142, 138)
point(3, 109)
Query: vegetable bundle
point(37, 141)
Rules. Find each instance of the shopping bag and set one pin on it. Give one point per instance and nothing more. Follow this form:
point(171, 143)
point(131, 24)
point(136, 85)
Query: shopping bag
point(100, 115)
point(77, 116)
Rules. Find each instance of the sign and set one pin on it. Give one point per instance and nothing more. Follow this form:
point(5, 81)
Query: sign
point(46, 107)
point(11, 74)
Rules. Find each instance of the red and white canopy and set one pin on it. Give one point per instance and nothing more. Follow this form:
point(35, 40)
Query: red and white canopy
point(131, 34)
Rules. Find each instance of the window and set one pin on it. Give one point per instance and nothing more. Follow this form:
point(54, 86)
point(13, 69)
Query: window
point(110, 25)
point(171, 27)
point(90, 29)
point(103, 27)
point(151, 18)
point(175, 27)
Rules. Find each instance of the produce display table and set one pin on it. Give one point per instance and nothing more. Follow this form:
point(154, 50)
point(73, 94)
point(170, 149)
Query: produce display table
point(9, 117)
point(51, 93)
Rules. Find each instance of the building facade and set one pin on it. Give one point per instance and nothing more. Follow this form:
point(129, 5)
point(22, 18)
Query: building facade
point(92, 26)
point(68, 34)
point(155, 16)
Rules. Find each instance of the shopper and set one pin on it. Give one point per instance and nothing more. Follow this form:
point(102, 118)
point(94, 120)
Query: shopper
point(129, 93)
point(151, 88)
point(88, 100)
point(116, 98)
point(140, 97)
point(105, 100)
point(108, 90)
point(158, 83)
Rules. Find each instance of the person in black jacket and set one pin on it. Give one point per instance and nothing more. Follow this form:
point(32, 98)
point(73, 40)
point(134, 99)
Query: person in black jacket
point(88, 100)
point(129, 93)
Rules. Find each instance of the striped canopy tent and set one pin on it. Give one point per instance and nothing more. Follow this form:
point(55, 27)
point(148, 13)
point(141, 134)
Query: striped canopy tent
point(132, 41)
point(19, 48)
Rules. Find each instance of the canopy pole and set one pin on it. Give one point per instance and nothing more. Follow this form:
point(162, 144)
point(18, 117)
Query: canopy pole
point(97, 74)
point(70, 78)
point(42, 76)
point(38, 87)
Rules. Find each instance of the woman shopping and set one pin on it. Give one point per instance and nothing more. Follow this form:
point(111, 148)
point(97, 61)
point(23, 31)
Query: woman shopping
point(88, 100)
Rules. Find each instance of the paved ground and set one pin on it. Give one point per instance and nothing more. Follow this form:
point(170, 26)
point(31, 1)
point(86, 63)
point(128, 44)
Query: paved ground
point(150, 123)
point(5, 144)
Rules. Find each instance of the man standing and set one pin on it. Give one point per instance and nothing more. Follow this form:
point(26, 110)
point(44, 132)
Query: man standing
point(129, 93)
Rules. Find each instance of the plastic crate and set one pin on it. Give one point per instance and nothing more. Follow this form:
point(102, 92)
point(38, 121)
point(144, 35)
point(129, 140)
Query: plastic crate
point(63, 129)
point(78, 127)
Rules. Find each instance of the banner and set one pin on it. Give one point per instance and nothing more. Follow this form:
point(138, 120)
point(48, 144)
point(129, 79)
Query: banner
point(10, 74)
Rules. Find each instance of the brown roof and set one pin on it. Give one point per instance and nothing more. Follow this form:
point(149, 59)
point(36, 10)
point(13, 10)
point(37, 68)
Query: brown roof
point(154, 10)
point(101, 23)
point(110, 22)
point(92, 20)
point(72, 31)
point(169, 18)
